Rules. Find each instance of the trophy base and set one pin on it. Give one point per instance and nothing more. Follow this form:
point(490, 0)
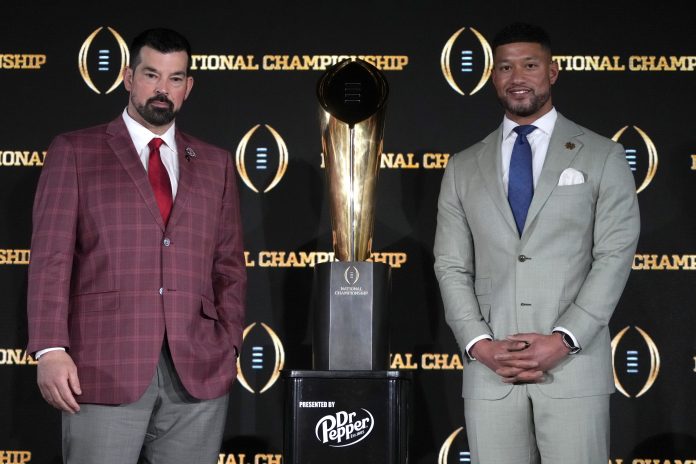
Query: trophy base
point(351, 316)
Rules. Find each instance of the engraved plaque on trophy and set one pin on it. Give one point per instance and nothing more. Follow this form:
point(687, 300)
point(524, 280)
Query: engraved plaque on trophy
point(351, 294)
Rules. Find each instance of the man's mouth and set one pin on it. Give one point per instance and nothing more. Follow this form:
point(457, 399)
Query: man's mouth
point(160, 103)
point(519, 91)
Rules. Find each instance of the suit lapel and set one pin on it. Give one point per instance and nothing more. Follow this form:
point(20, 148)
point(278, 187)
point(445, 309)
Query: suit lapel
point(563, 147)
point(490, 164)
point(120, 142)
point(186, 179)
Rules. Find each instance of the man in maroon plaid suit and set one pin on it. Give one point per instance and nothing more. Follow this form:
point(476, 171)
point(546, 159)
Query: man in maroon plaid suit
point(137, 277)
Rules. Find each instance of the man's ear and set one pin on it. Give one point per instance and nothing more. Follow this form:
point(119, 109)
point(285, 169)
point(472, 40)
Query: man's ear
point(128, 78)
point(553, 72)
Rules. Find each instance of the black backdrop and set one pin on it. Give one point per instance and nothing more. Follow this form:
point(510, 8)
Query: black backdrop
point(642, 78)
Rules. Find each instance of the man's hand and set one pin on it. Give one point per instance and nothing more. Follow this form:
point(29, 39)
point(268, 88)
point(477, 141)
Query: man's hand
point(489, 353)
point(56, 375)
point(544, 350)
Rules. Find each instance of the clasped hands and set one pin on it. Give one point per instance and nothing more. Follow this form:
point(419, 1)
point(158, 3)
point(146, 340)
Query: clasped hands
point(521, 358)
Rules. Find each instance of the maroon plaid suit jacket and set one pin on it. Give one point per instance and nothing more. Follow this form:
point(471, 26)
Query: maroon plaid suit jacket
point(101, 253)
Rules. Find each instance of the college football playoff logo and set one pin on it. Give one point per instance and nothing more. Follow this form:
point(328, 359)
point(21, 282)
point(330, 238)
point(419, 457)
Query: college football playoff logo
point(461, 456)
point(464, 57)
point(636, 361)
point(262, 361)
point(101, 60)
point(641, 154)
point(270, 158)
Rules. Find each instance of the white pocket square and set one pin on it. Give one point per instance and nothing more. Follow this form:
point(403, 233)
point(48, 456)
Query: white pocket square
point(571, 177)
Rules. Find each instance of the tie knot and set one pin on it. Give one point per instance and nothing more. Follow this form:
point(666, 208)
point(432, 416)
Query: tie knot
point(155, 143)
point(524, 130)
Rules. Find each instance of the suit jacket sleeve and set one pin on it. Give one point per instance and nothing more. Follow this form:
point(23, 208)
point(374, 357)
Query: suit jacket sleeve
point(454, 263)
point(229, 271)
point(52, 248)
point(616, 229)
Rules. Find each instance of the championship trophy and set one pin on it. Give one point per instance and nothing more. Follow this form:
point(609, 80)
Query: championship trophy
point(351, 294)
point(351, 407)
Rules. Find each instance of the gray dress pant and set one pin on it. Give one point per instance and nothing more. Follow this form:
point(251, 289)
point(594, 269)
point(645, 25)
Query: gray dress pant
point(528, 427)
point(165, 426)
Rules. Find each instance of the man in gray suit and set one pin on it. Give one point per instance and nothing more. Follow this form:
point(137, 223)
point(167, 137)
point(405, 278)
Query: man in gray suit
point(536, 230)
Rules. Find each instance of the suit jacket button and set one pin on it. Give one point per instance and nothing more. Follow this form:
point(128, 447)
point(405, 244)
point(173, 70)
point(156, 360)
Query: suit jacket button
point(522, 258)
point(161, 291)
point(166, 242)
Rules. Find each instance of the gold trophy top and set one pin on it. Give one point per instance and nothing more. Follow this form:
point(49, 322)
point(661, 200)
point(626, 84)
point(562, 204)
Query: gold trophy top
point(353, 96)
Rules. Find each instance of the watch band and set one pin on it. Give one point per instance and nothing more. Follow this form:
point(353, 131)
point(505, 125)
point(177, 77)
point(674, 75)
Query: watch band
point(568, 341)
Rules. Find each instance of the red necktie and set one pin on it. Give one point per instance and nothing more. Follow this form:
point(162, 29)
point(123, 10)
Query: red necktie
point(159, 179)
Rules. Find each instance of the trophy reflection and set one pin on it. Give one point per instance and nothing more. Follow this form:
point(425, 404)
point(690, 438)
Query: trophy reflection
point(351, 295)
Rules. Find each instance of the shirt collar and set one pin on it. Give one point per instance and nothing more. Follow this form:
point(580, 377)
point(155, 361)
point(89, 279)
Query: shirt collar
point(544, 123)
point(141, 136)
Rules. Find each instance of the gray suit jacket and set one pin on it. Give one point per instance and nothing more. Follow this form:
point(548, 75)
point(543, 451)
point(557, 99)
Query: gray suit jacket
point(580, 241)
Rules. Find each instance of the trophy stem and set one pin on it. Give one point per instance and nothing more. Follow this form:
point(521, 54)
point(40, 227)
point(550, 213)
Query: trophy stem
point(351, 150)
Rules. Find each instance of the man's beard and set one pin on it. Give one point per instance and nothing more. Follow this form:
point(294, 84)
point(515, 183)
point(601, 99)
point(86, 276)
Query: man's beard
point(155, 115)
point(525, 109)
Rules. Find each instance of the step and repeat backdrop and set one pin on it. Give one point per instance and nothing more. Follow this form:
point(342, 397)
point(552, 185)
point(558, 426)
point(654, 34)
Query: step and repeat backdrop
point(627, 72)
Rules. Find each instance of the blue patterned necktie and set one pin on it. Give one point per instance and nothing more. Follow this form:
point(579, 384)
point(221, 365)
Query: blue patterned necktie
point(521, 179)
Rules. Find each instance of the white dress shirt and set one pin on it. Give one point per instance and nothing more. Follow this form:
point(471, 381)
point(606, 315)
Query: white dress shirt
point(141, 136)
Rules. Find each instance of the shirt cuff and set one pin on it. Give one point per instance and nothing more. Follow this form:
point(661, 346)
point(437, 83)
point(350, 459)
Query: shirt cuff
point(473, 342)
point(40, 353)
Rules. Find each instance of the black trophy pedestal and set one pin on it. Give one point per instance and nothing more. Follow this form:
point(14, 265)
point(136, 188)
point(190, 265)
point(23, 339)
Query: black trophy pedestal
point(337, 417)
point(350, 320)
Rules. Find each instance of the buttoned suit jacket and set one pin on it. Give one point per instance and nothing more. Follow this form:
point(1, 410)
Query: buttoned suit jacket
point(107, 278)
point(568, 269)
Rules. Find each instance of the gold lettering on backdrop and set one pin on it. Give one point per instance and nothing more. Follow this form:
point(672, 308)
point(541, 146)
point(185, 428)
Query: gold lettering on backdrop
point(402, 361)
point(693, 162)
point(394, 260)
point(645, 262)
point(398, 161)
point(247, 261)
point(661, 461)
point(441, 361)
point(661, 63)
point(22, 61)
point(589, 63)
point(232, 459)
point(260, 458)
point(617, 63)
point(616, 461)
point(14, 256)
point(268, 459)
point(323, 62)
point(435, 160)
point(303, 259)
point(299, 259)
point(408, 161)
point(223, 63)
point(16, 357)
point(428, 361)
point(22, 158)
point(14, 457)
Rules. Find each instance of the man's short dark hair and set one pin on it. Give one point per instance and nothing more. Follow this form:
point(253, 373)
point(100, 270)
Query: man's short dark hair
point(522, 32)
point(160, 39)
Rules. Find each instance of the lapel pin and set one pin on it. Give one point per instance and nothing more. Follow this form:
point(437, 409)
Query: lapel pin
point(190, 153)
point(570, 145)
